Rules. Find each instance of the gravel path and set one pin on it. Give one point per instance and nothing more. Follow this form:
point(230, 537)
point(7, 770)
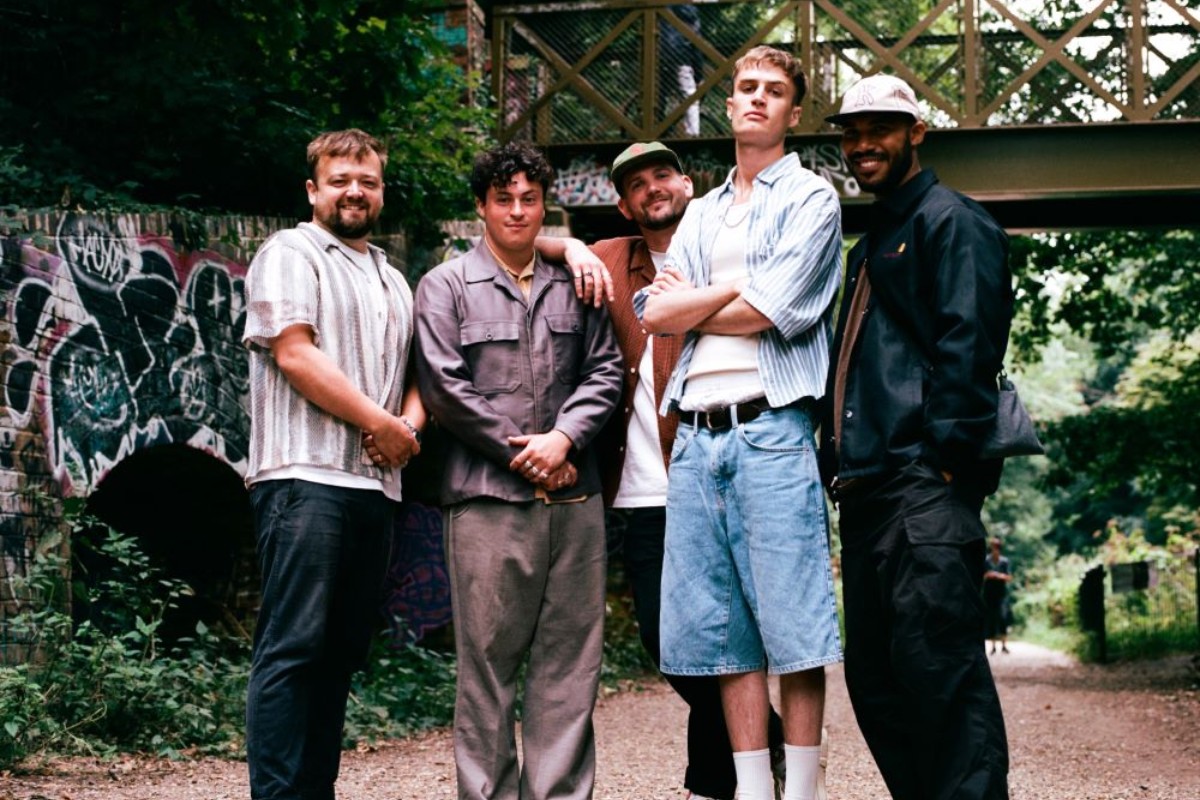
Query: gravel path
point(1077, 732)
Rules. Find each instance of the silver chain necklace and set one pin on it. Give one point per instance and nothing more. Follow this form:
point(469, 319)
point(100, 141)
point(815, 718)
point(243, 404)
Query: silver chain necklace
point(736, 222)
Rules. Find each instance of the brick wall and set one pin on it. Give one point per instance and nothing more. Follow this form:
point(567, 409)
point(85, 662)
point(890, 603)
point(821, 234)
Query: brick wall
point(118, 333)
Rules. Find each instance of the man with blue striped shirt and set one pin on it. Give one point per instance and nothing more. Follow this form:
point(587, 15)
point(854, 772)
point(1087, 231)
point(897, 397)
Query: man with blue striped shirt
point(750, 279)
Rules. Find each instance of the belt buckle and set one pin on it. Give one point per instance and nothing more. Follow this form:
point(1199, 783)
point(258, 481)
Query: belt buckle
point(708, 420)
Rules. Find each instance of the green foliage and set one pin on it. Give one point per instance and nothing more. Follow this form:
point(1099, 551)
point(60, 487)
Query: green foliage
point(208, 104)
point(1132, 298)
point(1046, 601)
point(1162, 619)
point(1139, 624)
point(106, 681)
point(110, 684)
point(624, 656)
point(1111, 287)
point(406, 688)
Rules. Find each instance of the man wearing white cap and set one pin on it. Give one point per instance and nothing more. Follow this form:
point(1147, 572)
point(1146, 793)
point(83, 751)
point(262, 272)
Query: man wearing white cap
point(911, 397)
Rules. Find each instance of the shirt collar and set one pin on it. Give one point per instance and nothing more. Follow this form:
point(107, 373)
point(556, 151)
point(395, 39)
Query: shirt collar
point(773, 172)
point(328, 240)
point(899, 203)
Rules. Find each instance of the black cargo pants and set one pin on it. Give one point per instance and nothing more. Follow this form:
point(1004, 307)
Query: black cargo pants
point(919, 680)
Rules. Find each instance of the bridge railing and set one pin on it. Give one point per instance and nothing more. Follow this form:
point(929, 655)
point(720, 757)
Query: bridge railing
point(592, 71)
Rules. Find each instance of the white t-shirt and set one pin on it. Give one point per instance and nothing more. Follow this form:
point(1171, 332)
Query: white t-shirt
point(724, 369)
point(643, 476)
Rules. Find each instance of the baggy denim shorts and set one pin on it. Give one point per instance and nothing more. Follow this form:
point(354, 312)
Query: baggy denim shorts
point(747, 581)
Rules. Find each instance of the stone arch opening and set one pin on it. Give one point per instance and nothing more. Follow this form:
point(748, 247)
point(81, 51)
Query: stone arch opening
point(191, 513)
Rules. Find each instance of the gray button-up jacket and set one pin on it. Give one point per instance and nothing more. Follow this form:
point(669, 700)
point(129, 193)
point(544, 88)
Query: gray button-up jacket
point(492, 365)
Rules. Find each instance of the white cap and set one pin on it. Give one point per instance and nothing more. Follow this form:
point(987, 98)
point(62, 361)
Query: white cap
point(877, 94)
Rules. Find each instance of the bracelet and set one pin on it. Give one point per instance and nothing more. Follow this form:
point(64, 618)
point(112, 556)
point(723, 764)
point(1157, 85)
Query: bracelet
point(412, 429)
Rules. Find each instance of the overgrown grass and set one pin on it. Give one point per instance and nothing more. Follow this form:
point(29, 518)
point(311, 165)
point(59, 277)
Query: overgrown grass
point(1145, 623)
point(111, 683)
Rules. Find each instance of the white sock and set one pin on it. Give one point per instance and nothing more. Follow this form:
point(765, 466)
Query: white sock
point(803, 764)
point(753, 769)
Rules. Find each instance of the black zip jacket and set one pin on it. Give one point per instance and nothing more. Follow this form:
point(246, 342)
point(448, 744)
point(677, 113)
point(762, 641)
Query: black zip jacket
point(921, 383)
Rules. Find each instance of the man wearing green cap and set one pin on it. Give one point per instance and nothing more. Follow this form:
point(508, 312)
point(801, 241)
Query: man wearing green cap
point(635, 448)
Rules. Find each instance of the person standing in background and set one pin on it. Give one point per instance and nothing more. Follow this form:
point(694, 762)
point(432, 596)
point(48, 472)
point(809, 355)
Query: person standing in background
point(997, 574)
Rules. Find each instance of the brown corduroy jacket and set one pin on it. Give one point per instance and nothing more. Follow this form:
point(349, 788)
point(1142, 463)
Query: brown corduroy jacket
point(628, 259)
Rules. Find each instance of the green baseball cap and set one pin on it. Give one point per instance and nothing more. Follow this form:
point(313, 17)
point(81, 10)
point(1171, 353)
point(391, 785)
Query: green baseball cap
point(639, 154)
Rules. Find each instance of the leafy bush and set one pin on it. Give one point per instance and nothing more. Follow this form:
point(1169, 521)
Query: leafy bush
point(624, 656)
point(107, 681)
point(110, 683)
point(1138, 624)
point(405, 689)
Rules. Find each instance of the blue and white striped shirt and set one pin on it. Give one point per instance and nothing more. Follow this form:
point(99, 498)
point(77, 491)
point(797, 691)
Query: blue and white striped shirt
point(793, 257)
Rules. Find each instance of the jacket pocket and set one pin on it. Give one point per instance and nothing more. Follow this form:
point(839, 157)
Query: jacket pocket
point(493, 352)
point(566, 339)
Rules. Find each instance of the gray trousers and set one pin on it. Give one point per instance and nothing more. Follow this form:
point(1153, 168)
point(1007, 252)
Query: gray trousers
point(526, 579)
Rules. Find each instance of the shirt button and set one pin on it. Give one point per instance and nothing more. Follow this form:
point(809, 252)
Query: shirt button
point(849, 414)
point(633, 370)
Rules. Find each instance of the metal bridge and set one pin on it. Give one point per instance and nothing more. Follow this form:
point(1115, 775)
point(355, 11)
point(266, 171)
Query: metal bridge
point(1063, 113)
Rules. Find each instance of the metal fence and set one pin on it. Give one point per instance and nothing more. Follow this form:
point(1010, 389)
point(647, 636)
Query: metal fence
point(1141, 609)
point(602, 70)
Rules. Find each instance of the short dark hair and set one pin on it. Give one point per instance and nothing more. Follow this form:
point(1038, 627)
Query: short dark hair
point(780, 59)
point(337, 144)
point(497, 166)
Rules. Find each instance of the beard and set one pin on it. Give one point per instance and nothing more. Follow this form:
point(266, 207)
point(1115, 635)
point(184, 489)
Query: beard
point(896, 173)
point(346, 229)
point(670, 217)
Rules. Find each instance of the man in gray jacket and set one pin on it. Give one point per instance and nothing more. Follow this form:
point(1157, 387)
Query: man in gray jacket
point(522, 376)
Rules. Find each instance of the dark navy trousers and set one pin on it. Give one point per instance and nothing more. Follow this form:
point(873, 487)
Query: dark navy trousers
point(323, 554)
point(918, 676)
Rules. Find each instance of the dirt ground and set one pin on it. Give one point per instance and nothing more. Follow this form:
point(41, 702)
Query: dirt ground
point(1076, 732)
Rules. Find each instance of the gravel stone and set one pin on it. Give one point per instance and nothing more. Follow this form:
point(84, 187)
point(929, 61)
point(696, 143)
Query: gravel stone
point(1076, 732)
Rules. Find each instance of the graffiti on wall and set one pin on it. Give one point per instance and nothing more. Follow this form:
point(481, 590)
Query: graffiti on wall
point(114, 341)
point(585, 181)
point(110, 341)
point(826, 160)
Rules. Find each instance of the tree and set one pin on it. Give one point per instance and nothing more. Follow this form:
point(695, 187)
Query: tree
point(1134, 456)
point(208, 104)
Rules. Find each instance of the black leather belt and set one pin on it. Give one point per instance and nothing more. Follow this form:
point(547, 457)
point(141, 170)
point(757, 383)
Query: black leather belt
point(720, 419)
